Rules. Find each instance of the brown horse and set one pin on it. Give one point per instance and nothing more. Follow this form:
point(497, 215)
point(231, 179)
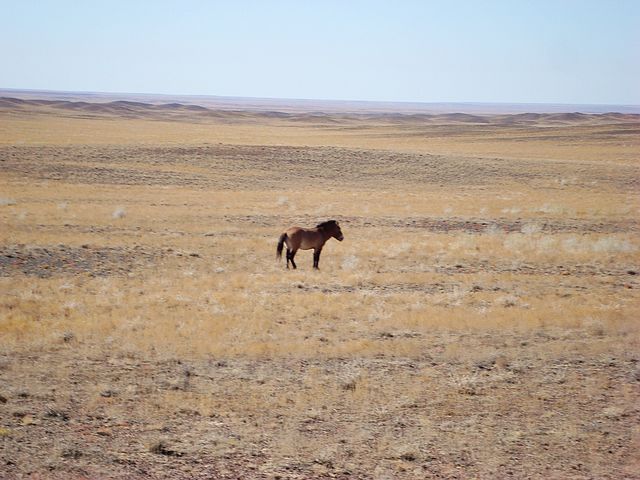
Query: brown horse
point(307, 238)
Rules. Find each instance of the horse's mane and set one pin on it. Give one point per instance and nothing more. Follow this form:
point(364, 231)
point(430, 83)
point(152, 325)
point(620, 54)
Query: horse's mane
point(326, 224)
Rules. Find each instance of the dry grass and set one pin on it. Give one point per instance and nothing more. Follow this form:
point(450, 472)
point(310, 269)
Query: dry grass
point(471, 325)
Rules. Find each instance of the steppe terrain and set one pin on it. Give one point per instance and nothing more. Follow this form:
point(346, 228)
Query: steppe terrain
point(480, 319)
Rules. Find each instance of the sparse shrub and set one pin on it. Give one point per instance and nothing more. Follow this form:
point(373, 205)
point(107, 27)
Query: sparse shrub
point(511, 211)
point(573, 245)
point(68, 337)
point(409, 456)
point(595, 327)
point(492, 229)
point(507, 301)
point(501, 362)
point(551, 209)
point(326, 457)
point(349, 385)
point(399, 248)
point(530, 228)
point(6, 202)
point(466, 244)
point(466, 384)
point(350, 262)
point(492, 362)
point(455, 298)
point(57, 414)
point(72, 453)
point(608, 245)
point(545, 244)
point(613, 412)
point(613, 245)
point(162, 447)
point(119, 213)
point(215, 307)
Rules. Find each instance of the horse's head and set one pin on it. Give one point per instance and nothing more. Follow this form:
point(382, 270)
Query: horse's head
point(333, 229)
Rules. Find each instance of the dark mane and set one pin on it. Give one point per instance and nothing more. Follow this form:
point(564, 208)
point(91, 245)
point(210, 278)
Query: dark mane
point(328, 223)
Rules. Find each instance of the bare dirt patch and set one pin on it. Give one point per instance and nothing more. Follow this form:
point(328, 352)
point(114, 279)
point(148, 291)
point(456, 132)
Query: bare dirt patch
point(428, 431)
point(48, 261)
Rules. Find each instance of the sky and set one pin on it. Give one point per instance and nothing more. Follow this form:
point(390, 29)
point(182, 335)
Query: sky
point(511, 51)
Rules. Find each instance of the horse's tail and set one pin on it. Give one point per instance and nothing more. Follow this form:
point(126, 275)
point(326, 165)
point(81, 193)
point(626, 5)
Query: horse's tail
point(281, 240)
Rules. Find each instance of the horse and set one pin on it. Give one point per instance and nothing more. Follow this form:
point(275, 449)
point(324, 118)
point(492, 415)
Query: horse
point(307, 238)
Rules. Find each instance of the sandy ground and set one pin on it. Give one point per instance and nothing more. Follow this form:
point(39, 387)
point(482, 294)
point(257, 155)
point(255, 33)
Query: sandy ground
point(478, 321)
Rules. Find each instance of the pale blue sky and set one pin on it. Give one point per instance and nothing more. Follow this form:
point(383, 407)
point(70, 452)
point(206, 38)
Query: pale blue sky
point(542, 51)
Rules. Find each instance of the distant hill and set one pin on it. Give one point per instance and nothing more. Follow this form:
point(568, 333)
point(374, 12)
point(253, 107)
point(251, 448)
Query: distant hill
point(314, 106)
point(191, 112)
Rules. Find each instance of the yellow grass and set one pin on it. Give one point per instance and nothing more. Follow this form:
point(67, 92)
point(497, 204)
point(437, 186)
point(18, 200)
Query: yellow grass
point(417, 340)
point(575, 144)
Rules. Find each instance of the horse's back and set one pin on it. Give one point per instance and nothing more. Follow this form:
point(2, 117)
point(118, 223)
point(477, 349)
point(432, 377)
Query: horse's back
point(302, 238)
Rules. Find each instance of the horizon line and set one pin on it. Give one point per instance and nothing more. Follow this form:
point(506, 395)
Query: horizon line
point(331, 100)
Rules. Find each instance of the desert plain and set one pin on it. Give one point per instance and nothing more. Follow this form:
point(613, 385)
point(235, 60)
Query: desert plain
point(480, 319)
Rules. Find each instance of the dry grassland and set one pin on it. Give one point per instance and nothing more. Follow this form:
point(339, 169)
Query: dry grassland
point(480, 320)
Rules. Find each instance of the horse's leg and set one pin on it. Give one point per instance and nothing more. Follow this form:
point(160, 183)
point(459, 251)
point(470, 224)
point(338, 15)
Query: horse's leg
point(316, 258)
point(293, 254)
point(288, 257)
